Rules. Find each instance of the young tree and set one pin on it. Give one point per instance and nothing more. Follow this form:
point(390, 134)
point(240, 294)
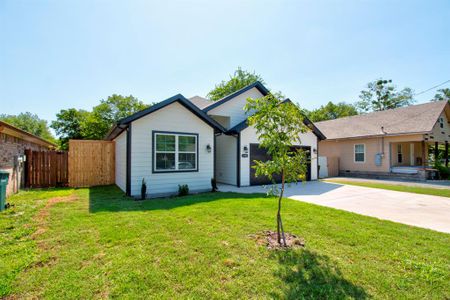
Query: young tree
point(332, 111)
point(30, 123)
point(237, 81)
point(278, 125)
point(381, 94)
point(442, 94)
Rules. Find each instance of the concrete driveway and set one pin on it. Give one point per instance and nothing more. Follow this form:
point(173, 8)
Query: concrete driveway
point(432, 212)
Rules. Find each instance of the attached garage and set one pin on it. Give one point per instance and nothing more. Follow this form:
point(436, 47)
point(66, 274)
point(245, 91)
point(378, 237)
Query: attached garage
point(260, 154)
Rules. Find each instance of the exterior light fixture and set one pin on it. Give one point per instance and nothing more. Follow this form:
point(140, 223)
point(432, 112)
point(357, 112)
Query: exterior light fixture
point(208, 148)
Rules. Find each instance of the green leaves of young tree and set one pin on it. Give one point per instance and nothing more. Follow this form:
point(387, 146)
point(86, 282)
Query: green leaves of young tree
point(30, 123)
point(278, 126)
point(381, 94)
point(237, 81)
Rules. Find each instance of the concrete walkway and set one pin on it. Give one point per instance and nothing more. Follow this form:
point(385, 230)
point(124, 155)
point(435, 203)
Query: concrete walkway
point(432, 212)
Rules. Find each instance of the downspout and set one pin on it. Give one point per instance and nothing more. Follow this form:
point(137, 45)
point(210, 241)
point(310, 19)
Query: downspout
point(128, 161)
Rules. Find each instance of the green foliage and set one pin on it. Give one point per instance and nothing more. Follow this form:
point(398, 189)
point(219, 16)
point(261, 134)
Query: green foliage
point(442, 94)
point(183, 190)
point(278, 126)
point(109, 111)
point(332, 111)
point(80, 124)
point(237, 81)
point(69, 125)
point(381, 94)
point(30, 123)
point(95, 245)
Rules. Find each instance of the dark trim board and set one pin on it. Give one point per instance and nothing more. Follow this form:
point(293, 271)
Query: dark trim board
point(244, 124)
point(154, 171)
point(258, 85)
point(114, 132)
point(128, 175)
point(238, 161)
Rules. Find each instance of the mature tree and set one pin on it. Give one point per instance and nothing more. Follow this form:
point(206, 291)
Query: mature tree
point(237, 81)
point(381, 94)
point(442, 94)
point(30, 123)
point(278, 125)
point(332, 111)
point(80, 124)
point(69, 125)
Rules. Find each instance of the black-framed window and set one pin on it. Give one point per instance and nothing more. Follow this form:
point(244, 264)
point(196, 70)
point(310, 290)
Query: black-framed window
point(175, 152)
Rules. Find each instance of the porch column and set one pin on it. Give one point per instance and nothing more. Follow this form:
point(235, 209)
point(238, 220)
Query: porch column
point(446, 153)
point(436, 152)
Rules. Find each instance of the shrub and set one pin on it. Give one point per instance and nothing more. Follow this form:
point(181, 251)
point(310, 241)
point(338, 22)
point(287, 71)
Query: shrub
point(183, 190)
point(143, 189)
point(213, 185)
point(444, 172)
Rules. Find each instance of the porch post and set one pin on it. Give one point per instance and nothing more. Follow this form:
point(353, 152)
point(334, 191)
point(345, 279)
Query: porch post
point(436, 152)
point(446, 153)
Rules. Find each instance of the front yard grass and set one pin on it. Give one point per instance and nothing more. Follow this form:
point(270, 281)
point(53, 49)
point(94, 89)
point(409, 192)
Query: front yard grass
point(96, 243)
point(443, 192)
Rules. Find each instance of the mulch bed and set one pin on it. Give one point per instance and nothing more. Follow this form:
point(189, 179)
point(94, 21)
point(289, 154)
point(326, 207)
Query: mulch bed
point(268, 238)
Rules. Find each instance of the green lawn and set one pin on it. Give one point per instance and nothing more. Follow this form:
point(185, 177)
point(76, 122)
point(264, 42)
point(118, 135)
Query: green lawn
point(100, 244)
point(401, 188)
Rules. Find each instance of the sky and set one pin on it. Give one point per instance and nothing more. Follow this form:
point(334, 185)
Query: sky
point(60, 54)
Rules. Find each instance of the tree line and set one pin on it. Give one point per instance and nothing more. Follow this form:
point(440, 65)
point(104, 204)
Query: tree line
point(72, 123)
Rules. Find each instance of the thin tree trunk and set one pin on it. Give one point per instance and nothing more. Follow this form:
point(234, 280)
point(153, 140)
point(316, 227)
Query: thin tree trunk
point(280, 230)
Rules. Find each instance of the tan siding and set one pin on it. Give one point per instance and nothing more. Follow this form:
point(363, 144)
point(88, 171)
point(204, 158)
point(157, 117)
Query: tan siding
point(344, 149)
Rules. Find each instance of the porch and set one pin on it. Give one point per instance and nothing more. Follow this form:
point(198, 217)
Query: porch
point(418, 158)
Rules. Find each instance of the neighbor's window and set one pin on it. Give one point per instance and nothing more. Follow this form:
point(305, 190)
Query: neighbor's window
point(360, 153)
point(175, 152)
point(399, 153)
point(441, 122)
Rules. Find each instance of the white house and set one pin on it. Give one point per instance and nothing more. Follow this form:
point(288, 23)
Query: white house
point(191, 141)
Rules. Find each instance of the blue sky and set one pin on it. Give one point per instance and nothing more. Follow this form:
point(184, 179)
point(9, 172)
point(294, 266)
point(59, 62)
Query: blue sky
point(60, 54)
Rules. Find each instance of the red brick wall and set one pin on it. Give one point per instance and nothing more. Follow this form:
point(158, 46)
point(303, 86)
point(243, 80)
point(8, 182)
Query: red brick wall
point(10, 148)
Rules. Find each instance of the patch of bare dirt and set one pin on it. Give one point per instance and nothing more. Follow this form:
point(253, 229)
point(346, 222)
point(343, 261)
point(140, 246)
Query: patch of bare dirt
point(268, 238)
point(42, 217)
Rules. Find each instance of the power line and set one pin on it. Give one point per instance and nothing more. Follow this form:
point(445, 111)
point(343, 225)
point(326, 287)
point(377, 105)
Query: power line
point(432, 88)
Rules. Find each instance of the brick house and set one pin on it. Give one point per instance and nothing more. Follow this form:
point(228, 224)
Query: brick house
point(13, 142)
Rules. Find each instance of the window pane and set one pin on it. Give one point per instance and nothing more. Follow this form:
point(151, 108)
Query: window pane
point(359, 148)
point(186, 143)
point(165, 142)
point(359, 156)
point(165, 161)
point(186, 161)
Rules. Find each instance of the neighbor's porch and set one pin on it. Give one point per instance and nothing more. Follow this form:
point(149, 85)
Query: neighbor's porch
point(417, 157)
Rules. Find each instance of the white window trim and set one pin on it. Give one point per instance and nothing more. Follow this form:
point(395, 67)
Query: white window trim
point(354, 153)
point(176, 152)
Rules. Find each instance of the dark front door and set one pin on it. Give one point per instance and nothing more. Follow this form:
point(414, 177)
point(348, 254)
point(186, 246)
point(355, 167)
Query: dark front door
point(260, 154)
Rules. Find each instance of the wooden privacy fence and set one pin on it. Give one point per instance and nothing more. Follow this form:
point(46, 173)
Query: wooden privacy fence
point(46, 169)
point(91, 163)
